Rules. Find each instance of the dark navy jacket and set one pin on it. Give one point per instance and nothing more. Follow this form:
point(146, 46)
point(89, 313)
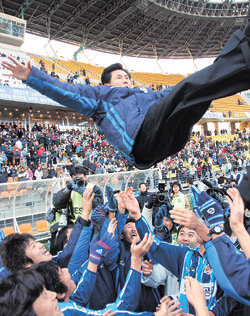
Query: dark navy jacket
point(233, 278)
point(118, 112)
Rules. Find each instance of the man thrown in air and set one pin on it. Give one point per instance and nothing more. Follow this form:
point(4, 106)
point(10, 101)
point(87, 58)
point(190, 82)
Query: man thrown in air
point(147, 126)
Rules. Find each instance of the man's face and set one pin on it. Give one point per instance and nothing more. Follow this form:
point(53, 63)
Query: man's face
point(37, 252)
point(188, 237)
point(129, 233)
point(167, 223)
point(119, 78)
point(46, 304)
point(143, 188)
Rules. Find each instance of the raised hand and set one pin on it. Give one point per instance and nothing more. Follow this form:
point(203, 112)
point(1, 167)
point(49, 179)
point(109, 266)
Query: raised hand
point(196, 296)
point(184, 217)
point(131, 203)
point(143, 247)
point(147, 267)
point(21, 72)
point(168, 307)
point(120, 202)
point(87, 200)
point(112, 226)
point(109, 313)
point(237, 208)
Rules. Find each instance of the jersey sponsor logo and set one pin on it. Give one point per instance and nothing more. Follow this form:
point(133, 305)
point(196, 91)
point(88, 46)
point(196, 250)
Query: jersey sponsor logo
point(211, 211)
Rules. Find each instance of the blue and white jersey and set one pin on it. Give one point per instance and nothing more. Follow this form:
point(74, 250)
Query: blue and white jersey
point(182, 261)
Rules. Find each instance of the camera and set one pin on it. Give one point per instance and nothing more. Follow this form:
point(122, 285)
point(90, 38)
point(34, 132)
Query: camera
point(79, 181)
point(217, 193)
point(159, 198)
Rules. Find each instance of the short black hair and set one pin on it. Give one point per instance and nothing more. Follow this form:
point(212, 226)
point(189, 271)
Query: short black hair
point(19, 291)
point(77, 169)
point(61, 239)
point(179, 229)
point(130, 220)
point(142, 184)
point(176, 183)
point(106, 75)
point(13, 253)
point(49, 272)
point(190, 180)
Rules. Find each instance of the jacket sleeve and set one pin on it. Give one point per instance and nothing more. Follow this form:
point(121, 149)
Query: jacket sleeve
point(98, 198)
point(128, 298)
point(171, 256)
point(81, 251)
point(156, 278)
point(61, 199)
point(72, 309)
point(121, 221)
point(63, 257)
point(84, 288)
point(224, 306)
point(80, 98)
point(111, 257)
point(233, 278)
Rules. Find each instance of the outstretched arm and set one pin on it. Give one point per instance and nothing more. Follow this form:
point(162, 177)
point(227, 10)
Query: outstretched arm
point(81, 98)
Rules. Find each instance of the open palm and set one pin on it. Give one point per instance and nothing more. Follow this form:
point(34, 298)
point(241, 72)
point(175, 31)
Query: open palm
point(21, 72)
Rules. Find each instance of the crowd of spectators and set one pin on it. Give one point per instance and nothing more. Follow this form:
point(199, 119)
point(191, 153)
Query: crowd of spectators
point(45, 152)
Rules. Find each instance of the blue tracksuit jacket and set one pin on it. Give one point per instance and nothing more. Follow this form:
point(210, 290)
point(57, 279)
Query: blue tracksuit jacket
point(118, 112)
point(72, 309)
point(182, 261)
point(127, 299)
point(233, 278)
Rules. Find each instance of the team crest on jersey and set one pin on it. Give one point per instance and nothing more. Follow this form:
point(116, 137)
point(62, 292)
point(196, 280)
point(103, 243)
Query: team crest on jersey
point(208, 270)
point(211, 211)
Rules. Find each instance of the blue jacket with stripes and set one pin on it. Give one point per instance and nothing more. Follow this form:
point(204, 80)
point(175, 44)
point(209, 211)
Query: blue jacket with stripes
point(118, 112)
point(182, 261)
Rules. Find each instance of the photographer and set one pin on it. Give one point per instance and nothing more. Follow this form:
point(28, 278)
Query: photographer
point(69, 199)
point(156, 200)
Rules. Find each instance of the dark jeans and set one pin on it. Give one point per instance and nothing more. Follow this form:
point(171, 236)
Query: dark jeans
point(168, 123)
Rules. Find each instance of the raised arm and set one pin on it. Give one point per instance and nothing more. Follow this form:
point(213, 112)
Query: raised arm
point(237, 220)
point(81, 98)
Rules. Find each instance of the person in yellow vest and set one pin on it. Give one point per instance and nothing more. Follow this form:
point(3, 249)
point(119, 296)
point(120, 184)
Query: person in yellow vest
point(68, 201)
point(178, 199)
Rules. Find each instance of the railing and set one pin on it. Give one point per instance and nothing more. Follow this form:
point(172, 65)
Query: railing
point(27, 202)
point(23, 205)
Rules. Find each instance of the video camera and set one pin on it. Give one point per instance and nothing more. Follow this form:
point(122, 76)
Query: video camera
point(218, 194)
point(78, 181)
point(159, 198)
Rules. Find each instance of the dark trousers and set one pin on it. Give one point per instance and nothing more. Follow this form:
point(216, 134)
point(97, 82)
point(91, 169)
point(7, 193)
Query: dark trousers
point(168, 123)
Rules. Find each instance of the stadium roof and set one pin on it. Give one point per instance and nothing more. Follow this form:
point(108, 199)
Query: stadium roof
point(142, 28)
